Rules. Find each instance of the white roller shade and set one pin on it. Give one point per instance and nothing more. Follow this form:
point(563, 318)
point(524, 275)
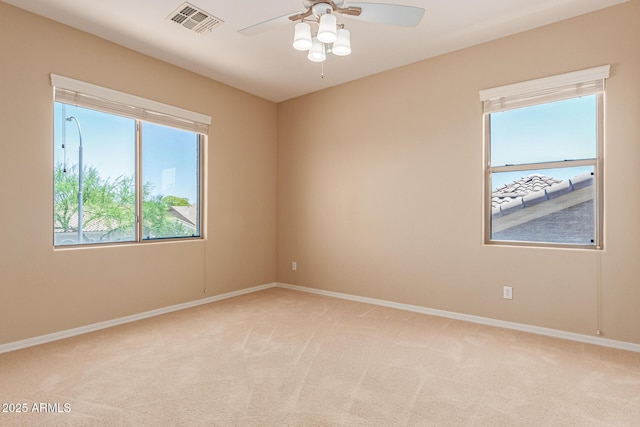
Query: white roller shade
point(88, 95)
point(548, 89)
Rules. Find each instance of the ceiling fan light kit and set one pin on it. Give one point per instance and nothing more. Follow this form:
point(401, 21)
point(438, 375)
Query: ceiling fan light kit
point(329, 36)
point(332, 37)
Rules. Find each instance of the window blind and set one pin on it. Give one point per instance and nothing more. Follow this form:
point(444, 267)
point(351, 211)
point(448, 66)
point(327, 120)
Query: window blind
point(547, 89)
point(88, 95)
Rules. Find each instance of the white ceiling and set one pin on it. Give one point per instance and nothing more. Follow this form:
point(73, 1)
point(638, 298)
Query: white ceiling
point(267, 65)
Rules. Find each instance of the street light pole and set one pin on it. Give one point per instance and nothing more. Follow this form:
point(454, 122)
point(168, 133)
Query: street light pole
point(80, 239)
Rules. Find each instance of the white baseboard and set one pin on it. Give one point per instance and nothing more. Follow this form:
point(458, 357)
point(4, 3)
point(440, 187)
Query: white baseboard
point(605, 342)
point(30, 342)
point(42, 339)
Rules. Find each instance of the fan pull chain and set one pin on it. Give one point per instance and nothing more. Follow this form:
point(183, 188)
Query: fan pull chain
point(322, 70)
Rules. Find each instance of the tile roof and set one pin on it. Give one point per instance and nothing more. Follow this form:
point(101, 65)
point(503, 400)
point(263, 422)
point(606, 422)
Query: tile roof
point(533, 189)
point(88, 225)
point(185, 214)
point(188, 215)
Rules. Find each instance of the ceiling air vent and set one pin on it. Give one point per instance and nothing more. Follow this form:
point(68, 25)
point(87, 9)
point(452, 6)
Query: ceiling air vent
point(194, 19)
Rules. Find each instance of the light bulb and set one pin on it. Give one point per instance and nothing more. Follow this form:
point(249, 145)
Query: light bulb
point(342, 46)
point(302, 36)
point(327, 32)
point(317, 52)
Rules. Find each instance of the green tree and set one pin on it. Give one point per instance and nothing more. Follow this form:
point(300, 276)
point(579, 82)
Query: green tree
point(175, 201)
point(109, 205)
point(65, 196)
point(156, 221)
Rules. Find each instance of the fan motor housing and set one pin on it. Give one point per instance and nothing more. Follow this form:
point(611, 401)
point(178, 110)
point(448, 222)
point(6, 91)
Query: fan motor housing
point(321, 8)
point(309, 3)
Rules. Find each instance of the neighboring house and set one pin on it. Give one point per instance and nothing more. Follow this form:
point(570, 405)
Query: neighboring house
point(96, 230)
point(92, 230)
point(544, 209)
point(187, 215)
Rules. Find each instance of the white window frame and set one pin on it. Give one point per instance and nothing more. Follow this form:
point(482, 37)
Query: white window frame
point(540, 91)
point(86, 95)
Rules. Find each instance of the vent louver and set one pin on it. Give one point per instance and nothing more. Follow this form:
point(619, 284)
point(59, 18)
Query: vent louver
point(194, 19)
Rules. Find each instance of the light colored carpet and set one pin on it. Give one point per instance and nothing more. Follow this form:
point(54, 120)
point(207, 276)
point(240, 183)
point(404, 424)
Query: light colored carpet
point(283, 358)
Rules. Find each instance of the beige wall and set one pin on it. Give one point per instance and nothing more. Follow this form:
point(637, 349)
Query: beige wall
point(380, 185)
point(43, 290)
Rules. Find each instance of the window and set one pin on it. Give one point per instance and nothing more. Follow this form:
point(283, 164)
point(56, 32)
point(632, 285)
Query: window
point(125, 169)
point(543, 174)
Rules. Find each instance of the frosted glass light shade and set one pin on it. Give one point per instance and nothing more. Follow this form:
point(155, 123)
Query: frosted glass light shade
point(317, 52)
point(342, 46)
point(327, 32)
point(302, 36)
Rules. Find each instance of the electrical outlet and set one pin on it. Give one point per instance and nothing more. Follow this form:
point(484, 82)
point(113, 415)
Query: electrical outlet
point(507, 292)
point(294, 265)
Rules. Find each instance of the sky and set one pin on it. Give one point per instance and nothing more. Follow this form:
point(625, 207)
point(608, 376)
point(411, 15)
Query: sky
point(169, 156)
point(557, 131)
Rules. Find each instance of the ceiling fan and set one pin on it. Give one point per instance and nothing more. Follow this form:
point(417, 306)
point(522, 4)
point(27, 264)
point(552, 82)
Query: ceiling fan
point(332, 37)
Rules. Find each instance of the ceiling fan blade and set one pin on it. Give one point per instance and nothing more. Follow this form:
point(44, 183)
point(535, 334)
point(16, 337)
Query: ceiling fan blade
point(392, 14)
point(267, 25)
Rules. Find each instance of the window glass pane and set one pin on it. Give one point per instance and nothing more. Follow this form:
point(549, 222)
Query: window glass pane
point(556, 131)
point(170, 180)
point(546, 205)
point(108, 176)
